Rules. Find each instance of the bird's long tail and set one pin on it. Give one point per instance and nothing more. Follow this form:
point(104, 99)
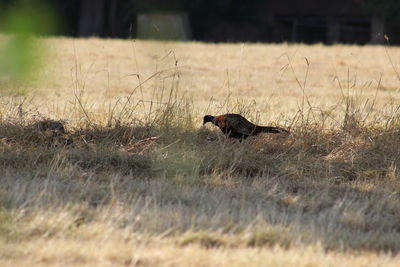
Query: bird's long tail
point(270, 129)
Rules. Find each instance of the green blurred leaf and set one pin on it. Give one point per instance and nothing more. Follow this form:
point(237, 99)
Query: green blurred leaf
point(28, 17)
point(20, 51)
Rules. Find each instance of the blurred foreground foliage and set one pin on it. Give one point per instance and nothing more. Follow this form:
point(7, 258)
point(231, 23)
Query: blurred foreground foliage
point(20, 50)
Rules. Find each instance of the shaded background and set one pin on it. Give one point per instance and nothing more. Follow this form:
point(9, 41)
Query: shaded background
point(308, 21)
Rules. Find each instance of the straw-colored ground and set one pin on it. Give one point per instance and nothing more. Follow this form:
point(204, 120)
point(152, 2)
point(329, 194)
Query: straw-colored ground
point(137, 180)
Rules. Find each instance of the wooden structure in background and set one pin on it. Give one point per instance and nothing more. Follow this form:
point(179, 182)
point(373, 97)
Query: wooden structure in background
point(310, 21)
point(171, 26)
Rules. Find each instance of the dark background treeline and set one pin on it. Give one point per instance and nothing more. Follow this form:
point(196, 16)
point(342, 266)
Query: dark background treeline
point(309, 21)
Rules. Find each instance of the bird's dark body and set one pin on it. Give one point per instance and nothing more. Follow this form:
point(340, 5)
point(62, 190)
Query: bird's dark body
point(237, 126)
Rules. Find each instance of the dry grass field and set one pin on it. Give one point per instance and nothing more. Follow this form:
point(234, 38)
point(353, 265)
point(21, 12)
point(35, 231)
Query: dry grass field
point(136, 179)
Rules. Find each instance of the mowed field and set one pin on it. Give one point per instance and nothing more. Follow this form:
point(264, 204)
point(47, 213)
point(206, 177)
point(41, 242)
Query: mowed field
point(137, 180)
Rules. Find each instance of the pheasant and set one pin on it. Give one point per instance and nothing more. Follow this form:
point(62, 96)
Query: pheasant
point(237, 126)
point(56, 127)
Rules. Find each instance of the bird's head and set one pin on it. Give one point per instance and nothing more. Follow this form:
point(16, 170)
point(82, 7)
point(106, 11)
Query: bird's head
point(208, 118)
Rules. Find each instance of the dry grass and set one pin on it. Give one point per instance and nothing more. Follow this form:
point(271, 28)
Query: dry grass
point(135, 180)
